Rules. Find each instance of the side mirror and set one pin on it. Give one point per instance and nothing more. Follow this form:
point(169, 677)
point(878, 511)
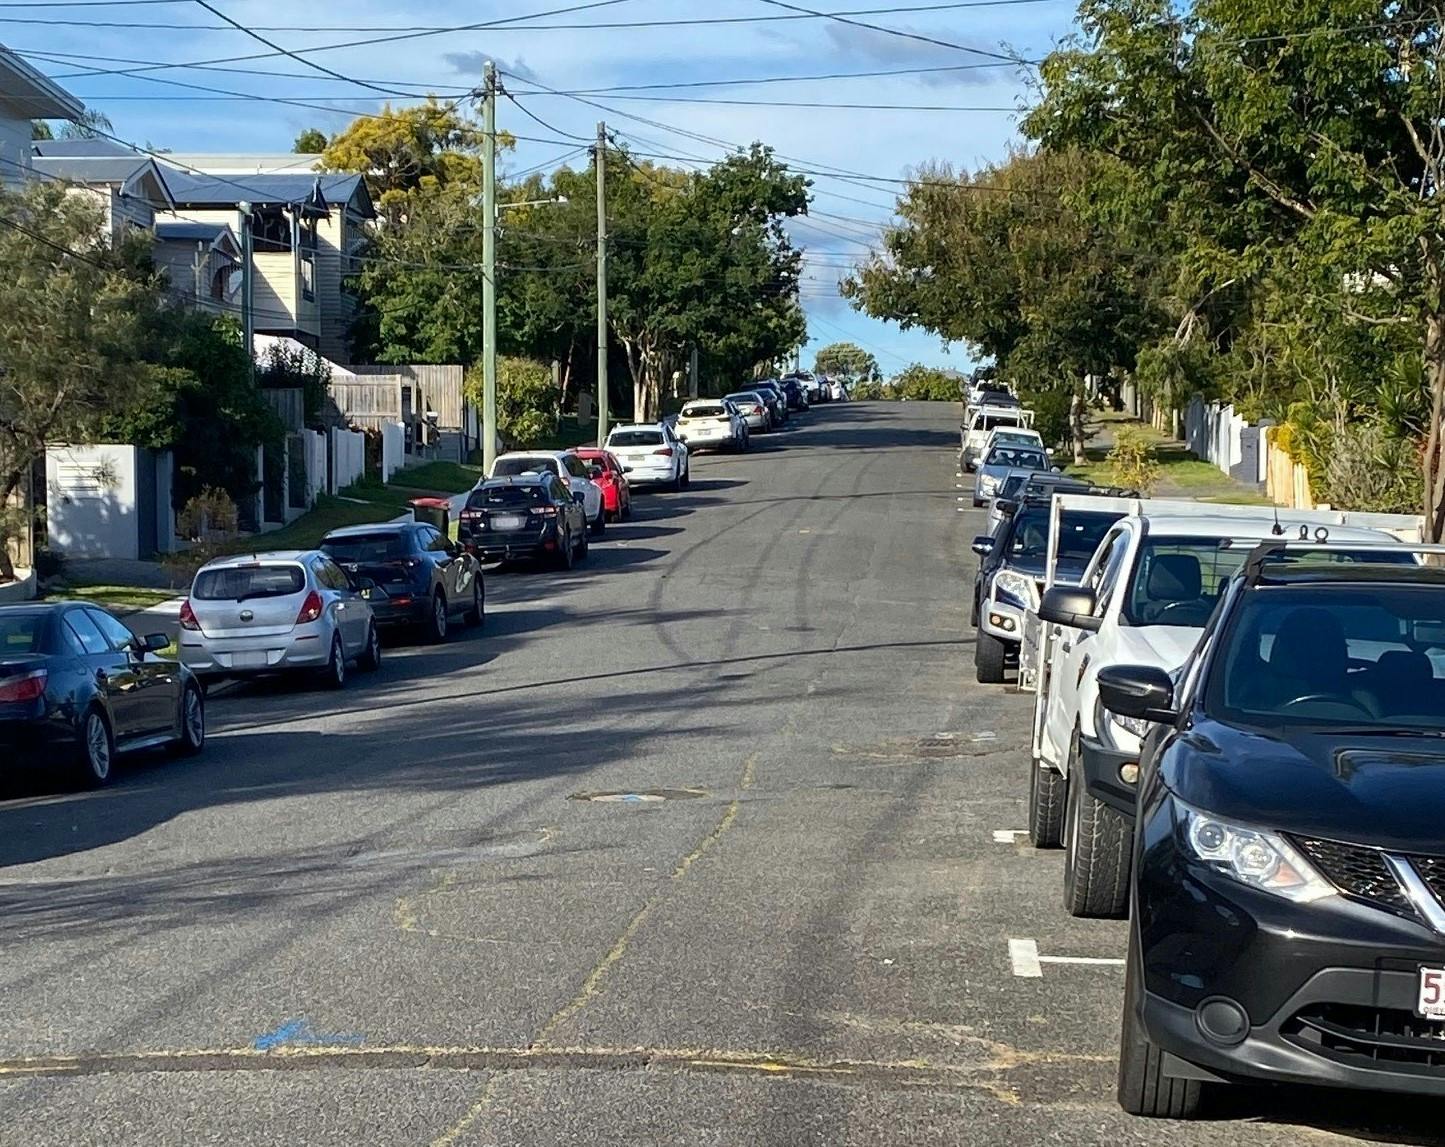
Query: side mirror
point(1069, 605)
point(1142, 691)
point(594, 471)
point(1056, 470)
point(362, 584)
point(982, 544)
point(627, 469)
point(154, 643)
point(579, 497)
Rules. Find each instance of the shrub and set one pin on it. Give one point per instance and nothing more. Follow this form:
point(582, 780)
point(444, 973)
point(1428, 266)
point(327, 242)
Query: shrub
point(1132, 460)
point(1368, 468)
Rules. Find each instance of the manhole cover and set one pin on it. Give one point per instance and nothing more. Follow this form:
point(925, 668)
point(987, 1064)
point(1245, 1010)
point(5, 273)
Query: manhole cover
point(640, 796)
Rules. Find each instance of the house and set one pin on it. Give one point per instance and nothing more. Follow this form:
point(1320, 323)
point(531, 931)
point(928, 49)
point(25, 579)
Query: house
point(203, 262)
point(128, 187)
point(25, 96)
point(306, 229)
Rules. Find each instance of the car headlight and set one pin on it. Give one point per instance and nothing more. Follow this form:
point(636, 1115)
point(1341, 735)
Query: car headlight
point(987, 483)
point(1019, 588)
point(1252, 856)
point(1134, 725)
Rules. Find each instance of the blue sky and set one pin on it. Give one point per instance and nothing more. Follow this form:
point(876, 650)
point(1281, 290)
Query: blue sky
point(847, 211)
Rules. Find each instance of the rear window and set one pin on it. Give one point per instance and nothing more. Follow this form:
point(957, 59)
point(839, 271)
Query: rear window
point(710, 411)
point(635, 438)
point(506, 497)
point(378, 547)
point(744, 397)
point(240, 583)
point(21, 632)
point(511, 467)
point(1015, 456)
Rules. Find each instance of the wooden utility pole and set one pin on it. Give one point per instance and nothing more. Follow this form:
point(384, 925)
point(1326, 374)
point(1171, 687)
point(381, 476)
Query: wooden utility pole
point(601, 170)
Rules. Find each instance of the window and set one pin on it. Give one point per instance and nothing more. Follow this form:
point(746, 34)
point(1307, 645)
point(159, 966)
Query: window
point(1014, 457)
point(308, 279)
point(382, 546)
point(432, 541)
point(116, 634)
point(84, 631)
point(560, 493)
point(625, 438)
point(511, 467)
point(21, 632)
point(239, 583)
point(574, 466)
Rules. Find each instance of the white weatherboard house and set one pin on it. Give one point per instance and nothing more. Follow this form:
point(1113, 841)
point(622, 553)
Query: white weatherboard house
point(25, 96)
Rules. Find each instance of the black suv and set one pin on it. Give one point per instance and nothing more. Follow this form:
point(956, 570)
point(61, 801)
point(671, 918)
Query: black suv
point(1288, 894)
point(531, 515)
point(420, 576)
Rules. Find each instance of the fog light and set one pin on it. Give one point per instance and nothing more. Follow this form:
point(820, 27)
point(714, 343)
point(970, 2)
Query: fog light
point(1002, 622)
point(1129, 773)
point(1222, 1021)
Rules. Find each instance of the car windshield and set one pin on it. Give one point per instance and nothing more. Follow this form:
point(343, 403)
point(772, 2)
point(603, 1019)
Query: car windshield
point(1014, 438)
point(1362, 654)
point(709, 411)
point(1177, 581)
point(511, 467)
point(742, 397)
point(240, 583)
point(1013, 456)
point(506, 497)
point(377, 547)
point(635, 438)
point(20, 632)
point(1081, 531)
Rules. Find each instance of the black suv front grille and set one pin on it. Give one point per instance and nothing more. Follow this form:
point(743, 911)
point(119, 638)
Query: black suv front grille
point(1359, 872)
point(1366, 1037)
point(1432, 872)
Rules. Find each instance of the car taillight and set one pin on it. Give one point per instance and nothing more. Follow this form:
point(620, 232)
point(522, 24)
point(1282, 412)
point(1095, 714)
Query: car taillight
point(188, 616)
point(471, 515)
point(543, 511)
point(311, 608)
point(666, 452)
point(26, 687)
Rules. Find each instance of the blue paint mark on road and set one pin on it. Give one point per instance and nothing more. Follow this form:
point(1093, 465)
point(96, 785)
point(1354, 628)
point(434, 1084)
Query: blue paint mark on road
point(299, 1033)
point(632, 798)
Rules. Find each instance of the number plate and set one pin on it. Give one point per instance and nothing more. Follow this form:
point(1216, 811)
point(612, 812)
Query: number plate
point(508, 522)
point(1430, 1002)
point(248, 660)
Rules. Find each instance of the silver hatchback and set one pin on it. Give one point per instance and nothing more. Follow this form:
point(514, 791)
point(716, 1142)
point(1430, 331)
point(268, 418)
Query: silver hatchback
point(278, 612)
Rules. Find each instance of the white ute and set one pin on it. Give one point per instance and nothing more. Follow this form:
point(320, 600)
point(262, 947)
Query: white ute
point(1144, 599)
point(980, 422)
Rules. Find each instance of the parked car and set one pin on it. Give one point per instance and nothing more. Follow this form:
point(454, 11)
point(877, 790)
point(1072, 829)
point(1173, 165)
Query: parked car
point(1014, 436)
point(793, 391)
point(1011, 572)
point(997, 463)
point(529, 516)
point(1289, 865)
point(1018, 485)
point(837, 391)
point(290, 611)
point(982, 421)
point(419, 576)
point(777, 401)
point(753, 408)
point(77, 687)
point(566, 465)
point(1144, 599)
point(657, 456)
point(610, 475)
point(712, 424)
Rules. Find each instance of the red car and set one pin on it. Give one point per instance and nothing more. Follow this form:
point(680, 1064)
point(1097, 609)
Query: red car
point(611, 478)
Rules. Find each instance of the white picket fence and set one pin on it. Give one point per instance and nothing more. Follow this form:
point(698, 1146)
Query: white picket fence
point(393, 448)
point(348, 458)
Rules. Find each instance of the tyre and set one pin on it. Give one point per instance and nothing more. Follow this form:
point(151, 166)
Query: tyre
point(192, 738)
point(1097, 846)
point(370, 659)
point(334, 675)
point(439, 622)
point(1144, 1089)
point(1046, 806)
point(686, 474)
point(599, 527)
point(478, 611)
point(626, 513)
point(566, 551)
point(676, 484)
point(583, 545)
point(97, 749)
point(978, 503)
point(989, 655)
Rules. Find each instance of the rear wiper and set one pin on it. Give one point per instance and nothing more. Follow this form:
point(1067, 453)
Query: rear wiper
point(255, 594)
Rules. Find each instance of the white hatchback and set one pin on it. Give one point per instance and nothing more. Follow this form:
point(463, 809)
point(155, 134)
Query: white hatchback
point(652, 454)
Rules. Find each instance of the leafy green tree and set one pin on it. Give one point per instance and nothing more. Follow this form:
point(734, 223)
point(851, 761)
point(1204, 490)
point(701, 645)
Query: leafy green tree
point(312, 141)
point(847, 359)
point(919, 382)
point(69, 332)
point(527, 407)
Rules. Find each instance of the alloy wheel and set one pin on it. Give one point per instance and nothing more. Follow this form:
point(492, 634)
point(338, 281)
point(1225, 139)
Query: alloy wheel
point(97, 747)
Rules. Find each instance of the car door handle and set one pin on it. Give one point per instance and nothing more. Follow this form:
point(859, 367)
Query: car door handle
point(1066, 646)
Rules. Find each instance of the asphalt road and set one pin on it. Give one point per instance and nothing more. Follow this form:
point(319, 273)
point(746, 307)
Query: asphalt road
point(392, 916)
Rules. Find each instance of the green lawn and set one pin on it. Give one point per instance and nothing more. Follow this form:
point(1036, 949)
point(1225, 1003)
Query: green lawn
point(330, 513)
point(119, 597)
point(437, 478)
point(1181, 474)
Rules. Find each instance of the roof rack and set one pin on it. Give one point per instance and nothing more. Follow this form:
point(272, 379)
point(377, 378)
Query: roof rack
point(1273, 550)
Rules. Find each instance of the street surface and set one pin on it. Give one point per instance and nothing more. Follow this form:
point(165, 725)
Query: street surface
point(391, 916)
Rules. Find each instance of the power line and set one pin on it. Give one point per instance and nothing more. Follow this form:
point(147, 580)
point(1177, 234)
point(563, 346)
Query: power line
point(842, 18)
point(829, 104)
point(531, 115)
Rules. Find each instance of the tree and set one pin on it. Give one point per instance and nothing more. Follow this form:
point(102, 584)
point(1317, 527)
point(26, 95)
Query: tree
point(312, 141)
point(919, 383)
point(847, 359)
point(527, 406)
point(68, 331)
point(1297, 148)
point(89, 124)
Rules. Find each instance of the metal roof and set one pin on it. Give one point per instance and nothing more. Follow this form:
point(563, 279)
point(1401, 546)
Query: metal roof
point(192, 232)
point(196, 190)
point(32, 93)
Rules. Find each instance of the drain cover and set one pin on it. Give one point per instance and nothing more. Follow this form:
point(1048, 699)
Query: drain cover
point(639, 796)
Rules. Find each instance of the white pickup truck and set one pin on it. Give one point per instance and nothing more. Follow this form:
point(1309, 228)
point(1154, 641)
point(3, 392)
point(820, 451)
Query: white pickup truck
point(1144, 599)
point(981, 421)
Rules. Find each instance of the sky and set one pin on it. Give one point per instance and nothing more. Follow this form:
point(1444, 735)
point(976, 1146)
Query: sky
point(954, 56)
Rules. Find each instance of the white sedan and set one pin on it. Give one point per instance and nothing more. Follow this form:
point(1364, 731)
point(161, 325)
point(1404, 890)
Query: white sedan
point(652, 454)
point(712, 424)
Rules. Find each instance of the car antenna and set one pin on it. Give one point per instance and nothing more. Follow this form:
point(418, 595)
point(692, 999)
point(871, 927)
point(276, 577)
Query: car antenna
point(1277, 529)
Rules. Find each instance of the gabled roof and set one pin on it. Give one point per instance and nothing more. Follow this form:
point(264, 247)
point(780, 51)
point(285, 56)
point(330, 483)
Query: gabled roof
point(134, 176)
point(32, 95)
point(217, 235)
point(203, 190)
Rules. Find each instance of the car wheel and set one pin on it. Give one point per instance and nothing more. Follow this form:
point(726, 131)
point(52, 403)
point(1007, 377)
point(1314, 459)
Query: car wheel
point(583, 545)
point(977, 503)
point(1144, 1089)
point(97, 749)
point(599, 527)
point(686, 474)
point(567, 551)
point(1046, 806)
point(676, 484)
point(334, 675)
point(627, 510)
point(192, 738)
point(1097, 844)
point(478, 613)
point(370, 659)
point(439, 622)
point(989, 654)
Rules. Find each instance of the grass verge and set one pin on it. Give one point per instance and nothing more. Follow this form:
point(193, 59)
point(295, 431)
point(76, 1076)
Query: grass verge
point(118, 597)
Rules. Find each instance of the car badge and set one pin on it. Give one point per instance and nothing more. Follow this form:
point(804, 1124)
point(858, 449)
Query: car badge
point(247, 615)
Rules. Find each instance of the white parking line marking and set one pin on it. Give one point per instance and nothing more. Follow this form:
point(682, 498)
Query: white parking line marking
point(1024, 956)
point(1008, 835)
point(1090, 961)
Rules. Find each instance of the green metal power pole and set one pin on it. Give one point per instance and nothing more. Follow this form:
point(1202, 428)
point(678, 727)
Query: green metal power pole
point(601, 167)
point(489, 266)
